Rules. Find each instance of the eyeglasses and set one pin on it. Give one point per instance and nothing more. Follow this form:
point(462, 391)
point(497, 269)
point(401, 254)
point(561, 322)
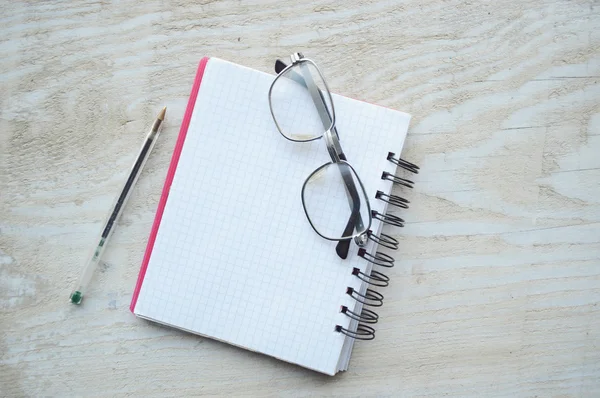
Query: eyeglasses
point(333, 196)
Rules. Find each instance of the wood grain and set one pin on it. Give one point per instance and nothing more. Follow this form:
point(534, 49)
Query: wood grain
point(497, 285)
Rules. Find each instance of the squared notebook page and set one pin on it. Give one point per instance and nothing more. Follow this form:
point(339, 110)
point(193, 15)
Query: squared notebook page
point(235, 258)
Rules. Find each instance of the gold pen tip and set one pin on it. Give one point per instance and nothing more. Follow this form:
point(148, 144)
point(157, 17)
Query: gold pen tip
point(161, 114)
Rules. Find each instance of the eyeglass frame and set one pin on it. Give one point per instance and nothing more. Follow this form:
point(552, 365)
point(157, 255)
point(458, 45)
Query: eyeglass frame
point(334, 149)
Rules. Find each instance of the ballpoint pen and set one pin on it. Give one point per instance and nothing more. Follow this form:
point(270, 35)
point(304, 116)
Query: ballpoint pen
point(116, 210)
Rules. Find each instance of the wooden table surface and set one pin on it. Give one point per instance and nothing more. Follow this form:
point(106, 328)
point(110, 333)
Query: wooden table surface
point(496, 289)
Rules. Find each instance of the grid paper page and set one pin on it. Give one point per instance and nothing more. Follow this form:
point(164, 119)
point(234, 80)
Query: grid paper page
point(235, 258)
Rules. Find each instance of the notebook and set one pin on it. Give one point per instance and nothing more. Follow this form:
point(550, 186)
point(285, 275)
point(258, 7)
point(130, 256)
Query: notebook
point(231, 255)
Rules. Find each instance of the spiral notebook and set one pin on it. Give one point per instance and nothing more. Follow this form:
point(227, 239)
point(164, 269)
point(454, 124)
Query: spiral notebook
point(231, 255)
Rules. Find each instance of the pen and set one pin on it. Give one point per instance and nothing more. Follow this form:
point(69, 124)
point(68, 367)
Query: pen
point(110, 224)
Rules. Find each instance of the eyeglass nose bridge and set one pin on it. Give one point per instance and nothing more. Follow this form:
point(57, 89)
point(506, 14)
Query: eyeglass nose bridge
point(333, 146)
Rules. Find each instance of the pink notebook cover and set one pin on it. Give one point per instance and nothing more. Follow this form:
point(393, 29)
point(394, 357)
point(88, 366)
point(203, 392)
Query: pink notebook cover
point(169, 180)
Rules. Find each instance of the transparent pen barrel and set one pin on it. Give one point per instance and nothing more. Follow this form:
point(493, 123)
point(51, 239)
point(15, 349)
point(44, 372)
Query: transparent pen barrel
point(115, 212)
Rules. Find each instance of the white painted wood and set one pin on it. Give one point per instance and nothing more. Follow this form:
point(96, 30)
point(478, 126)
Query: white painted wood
point(497, 285)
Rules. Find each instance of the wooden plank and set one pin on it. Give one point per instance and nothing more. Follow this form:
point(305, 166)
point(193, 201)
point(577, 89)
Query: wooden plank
point(496, 289)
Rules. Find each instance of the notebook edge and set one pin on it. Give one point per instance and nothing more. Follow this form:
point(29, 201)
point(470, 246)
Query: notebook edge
point(169, 179)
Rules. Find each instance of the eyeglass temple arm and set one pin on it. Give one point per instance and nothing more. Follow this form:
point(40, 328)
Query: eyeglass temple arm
point(355, 219)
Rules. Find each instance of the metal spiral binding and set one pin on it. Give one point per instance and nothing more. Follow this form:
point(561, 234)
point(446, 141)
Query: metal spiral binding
point(394, 200)
point(376, 278)
point(370, 298)
point(397, 180)
point(381, 259)
point(388, 218)
point(406, 165)
point(384, 240)
point(363, 332)
point(366, 315)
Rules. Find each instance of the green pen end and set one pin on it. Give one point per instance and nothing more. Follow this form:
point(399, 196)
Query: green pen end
point(76, 297)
